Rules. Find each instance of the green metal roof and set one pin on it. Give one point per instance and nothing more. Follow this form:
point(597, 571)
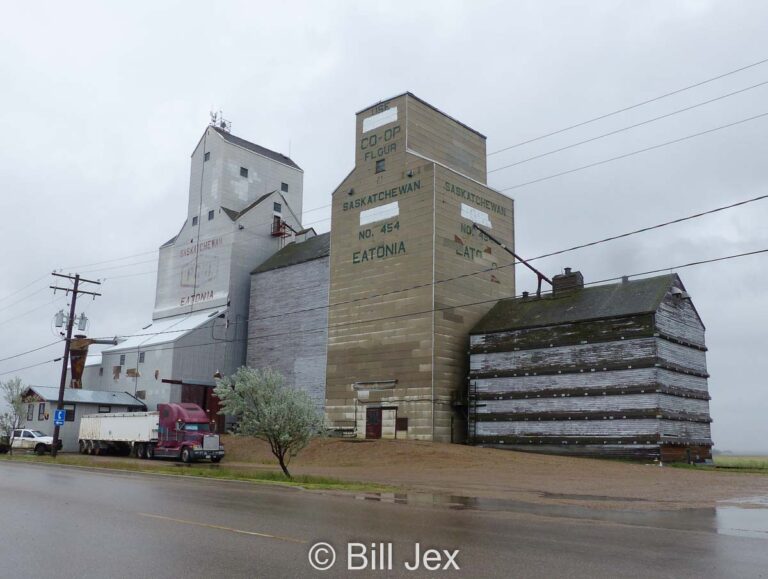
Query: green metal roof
point(628, 298)
point(295, 253)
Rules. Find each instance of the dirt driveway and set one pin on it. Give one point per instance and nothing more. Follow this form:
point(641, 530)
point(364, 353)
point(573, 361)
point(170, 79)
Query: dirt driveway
point(483, 472)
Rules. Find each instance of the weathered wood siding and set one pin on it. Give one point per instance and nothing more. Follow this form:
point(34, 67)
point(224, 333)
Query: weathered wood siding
point(288, 324)
point(594, 382)
point(577, 358)
point(624, 387)
point(682, 357)
point(611, 406)
point(610, 330)
point(617, 428)
point(621, 451)
point(677, 318)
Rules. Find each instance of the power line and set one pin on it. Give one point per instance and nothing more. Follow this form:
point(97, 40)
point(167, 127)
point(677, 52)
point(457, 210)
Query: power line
point(154, 260)
point(28, 367)
point(18, 291)
point(625, 155)
point(629, 108)
point(651, 227)
point(492, 269)
point(310, 223)
point(47, 304)
point(582, 246)
point(434, 310)
point(677, 112)
point(30, 351)
point(691, 264)
point(26, 297)
point(384, 294)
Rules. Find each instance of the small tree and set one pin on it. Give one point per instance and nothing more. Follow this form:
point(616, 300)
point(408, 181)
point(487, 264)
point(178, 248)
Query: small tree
point(268, 409)
point(11, 393)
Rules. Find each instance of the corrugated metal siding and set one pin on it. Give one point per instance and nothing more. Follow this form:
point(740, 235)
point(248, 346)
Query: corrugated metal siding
point(288, 326)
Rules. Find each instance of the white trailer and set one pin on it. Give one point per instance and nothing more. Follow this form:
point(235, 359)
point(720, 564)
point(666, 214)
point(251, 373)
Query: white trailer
point(118, 430)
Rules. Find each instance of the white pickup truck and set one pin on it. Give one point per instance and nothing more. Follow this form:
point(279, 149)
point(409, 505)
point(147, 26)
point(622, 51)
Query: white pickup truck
point(27, 439)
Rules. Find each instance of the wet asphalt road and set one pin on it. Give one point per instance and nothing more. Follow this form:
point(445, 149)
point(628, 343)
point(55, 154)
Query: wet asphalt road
point(65, 522)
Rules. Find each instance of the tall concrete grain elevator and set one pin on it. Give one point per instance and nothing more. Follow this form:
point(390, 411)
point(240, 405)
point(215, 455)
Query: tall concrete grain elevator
point(409, 277)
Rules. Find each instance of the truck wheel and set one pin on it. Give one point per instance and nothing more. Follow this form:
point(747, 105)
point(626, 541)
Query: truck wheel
point(81, 447)
point(186, 455)
point(40, 449)
point(140, 451)
point(216, 458)
point(149, 451)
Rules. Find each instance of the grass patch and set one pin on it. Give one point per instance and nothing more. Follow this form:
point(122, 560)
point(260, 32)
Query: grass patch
point(205, 470)
point(752, 463)
point(735, 464)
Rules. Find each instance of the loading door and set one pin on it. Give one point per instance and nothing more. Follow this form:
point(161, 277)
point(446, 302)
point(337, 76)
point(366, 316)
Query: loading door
point(373, 422)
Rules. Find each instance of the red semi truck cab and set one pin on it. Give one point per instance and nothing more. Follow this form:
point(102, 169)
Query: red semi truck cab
point(184, 431)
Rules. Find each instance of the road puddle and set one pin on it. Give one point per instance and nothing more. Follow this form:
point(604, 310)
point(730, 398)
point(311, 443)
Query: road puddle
point(741, 522)
point(742, 517)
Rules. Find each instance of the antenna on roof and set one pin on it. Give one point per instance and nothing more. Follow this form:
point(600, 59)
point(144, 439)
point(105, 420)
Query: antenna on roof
point(218, 120)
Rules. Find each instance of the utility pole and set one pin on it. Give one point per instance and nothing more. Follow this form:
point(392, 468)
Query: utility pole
point(70, 322)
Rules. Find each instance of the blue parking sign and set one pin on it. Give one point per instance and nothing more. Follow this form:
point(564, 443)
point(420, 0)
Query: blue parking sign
point(58, 417)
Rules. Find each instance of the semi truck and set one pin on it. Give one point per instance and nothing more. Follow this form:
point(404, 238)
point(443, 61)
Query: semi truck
point(181, 431)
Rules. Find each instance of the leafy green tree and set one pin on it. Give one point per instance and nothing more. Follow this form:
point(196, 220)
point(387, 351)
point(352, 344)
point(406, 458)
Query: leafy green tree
point(11, 394)
point(265, 407)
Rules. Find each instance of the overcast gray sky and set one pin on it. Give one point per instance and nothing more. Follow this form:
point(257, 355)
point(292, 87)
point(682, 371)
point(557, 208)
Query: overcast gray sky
point(101, 105)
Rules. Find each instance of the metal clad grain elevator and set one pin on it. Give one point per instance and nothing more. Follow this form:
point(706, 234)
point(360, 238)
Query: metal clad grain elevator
point(244, 200)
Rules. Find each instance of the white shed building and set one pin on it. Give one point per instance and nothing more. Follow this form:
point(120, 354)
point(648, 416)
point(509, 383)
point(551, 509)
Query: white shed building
point(41, 401)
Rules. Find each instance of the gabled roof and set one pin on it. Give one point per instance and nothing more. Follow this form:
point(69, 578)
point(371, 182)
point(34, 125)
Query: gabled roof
point(642, 296)
point(235, 215)
point(263, 151)
point(75, 396)
point(294, 253)
point(173, 239)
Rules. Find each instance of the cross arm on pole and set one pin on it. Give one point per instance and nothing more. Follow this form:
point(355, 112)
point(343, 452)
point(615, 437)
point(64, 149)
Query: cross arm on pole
point(82, 280)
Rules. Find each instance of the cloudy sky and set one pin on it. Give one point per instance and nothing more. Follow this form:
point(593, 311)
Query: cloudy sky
point(102, 103)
